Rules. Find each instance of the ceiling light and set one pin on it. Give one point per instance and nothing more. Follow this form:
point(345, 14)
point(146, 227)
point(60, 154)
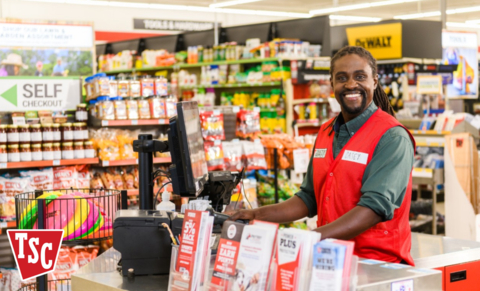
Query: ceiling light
point(178, 7)
point(437, 13)
point(355, 18)
point(359, 6)
point(231, 3)
point(463, 24)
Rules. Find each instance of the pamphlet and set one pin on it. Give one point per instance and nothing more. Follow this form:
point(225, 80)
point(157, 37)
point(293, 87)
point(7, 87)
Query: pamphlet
point(328, 264)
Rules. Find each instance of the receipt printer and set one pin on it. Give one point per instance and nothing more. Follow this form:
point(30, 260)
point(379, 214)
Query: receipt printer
point(145, 245)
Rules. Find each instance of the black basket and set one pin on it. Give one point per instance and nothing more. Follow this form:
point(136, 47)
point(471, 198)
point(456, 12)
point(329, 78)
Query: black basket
point(83, 214)
point(53, 285)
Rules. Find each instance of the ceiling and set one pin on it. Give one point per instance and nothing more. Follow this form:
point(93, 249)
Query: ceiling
point(304, 6)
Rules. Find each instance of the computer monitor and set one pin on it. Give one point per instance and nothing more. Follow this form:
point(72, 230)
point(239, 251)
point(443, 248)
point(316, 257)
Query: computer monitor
point(188, 171)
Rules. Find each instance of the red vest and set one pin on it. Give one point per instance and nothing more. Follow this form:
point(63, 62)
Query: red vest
point(337, 184)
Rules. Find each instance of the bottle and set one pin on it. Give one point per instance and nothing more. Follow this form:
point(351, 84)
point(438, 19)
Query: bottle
point(166, 204)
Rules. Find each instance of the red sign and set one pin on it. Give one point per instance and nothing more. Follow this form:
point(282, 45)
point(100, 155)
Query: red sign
point(35, 251)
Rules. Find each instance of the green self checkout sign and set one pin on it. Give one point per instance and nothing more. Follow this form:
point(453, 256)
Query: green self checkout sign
point(41, 93)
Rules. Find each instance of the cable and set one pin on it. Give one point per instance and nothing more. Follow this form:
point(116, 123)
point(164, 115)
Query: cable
point(246, 198)
point(159, 190)
point(223, 194)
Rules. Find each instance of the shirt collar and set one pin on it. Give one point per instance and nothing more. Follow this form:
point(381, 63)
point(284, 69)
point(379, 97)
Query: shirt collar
point(354, 125)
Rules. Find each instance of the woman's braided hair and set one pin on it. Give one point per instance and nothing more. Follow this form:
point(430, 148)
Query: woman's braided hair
point(379, 96)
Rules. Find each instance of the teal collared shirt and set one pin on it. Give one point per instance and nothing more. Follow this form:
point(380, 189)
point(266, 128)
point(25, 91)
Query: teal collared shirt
point(386, 177)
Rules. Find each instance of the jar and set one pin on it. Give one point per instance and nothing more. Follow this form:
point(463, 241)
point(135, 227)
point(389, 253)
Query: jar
point(48, 152)
point(57, 151)
point(123, 88)
point(3, 153)
point(13, 153)
point(120, 109)
point(57, 133)
point(35, 133)
point(67, 132)
point(47, 135)
point(84, 130)
point(81, 114)
point(143, 109)
point(24, 133)
point(12, 134)
point(37, 153)
point(25, 153)
point(77, 131)
point(67, 151)
point(89, 150)
point(3, 133)
point(78, 150)
point(132, 109)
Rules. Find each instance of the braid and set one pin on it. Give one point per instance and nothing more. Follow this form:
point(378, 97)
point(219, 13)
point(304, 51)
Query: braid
point(382, 101)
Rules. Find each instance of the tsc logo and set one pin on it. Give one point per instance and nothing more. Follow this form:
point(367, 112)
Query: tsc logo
point(35, 251)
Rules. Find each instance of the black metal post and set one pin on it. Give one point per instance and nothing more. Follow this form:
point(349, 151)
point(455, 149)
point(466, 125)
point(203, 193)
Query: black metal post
point(145, 169)
point(275, 172)
point(124, 195)
point(42, 281)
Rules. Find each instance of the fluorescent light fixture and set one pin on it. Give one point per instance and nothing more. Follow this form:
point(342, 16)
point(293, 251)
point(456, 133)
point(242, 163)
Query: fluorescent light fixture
point(355, 18)
point(359, 6)
point(473, 21)
point(178, 7)
point(463, 24)
point(437, 13)
point(231, 3)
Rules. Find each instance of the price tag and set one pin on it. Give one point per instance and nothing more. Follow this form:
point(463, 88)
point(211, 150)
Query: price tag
point(3, 165)
point(136, 161)
point(134, 122)
point(104, 122)
point(105, 163)
point(56, 162)
point(3, 225)
point(162, 121)
point(300, 160)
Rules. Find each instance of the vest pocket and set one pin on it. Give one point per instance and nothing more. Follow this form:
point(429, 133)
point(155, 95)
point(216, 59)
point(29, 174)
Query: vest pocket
point(378, 244)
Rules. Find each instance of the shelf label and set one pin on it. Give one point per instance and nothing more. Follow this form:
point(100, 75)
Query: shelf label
point(136, 161)
point(3, 165)
point(105, 163)
point(3, 225)
point(162, 121)
point(56, 162)
point(134, 122)
point(104, 122)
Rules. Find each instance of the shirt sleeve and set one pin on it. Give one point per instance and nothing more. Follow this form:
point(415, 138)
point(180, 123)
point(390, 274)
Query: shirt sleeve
point(386, 177)
point(307, 192)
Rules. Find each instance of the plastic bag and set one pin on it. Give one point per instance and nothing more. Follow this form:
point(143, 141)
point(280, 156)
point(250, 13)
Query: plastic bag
point(214, 156)
point(232, 155)
point(83, 177)
point(128, 178)
point(64, 177)
point(248, 124)
point(125, 144)
point(212, 125)
point(254, 155)
point(9, 187)
point(39, 179)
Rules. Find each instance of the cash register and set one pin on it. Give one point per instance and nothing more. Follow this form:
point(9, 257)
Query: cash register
point(139, 235)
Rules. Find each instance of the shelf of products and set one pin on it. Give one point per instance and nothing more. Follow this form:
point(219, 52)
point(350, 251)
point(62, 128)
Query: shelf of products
point(309, 100)
point(132, 162)
point(238, 85)
point(42, 164)
point(430, 132)
point(134, 122)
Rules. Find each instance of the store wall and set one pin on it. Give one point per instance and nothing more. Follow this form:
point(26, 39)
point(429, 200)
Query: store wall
point(116, 19)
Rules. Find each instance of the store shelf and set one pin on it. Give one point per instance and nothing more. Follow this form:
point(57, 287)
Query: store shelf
point(132, 162)
point(309, 100)
point(240, 85)
point(41, 164)
point(430, 132)
point(135, 122)
point(8, 224)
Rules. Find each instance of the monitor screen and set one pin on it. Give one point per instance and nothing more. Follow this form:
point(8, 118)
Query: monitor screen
point(193, 130)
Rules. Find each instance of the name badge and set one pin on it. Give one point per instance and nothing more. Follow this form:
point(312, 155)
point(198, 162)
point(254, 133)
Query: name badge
point(356, 157)
point(320, 153)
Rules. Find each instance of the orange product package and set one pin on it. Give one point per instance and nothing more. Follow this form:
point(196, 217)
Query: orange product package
point(270, 145)
point(214, 156)
point(117, 179)
point(212, 125)
point(248, 124)
point(83, 177)
point(125, 144)
point(128, 178)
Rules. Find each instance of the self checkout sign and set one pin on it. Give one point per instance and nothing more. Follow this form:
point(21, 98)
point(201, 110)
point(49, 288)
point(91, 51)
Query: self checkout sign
point(23, 94)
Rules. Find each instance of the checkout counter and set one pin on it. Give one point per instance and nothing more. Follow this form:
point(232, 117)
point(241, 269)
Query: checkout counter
point(442, 263)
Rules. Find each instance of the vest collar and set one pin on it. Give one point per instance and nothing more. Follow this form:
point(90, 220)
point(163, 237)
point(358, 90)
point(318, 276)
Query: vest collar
point(354, 125)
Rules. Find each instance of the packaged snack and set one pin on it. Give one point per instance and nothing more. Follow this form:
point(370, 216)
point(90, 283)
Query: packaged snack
point(128, 179)
point(9, 187)
point(96, 181)
point(254, 155)
point(214, 156)
point(147, 87)
point(132, 109)
point(125, 144)
point(271, 142)
point(135, 174)
point(157, 107)
point(212, 125)
point(64, 177)
point(248, 124)
point(117, 179)
point(108, 180)
point(232, 152)
point(120, 108)
point(83, 177)
point(107, 144)
point(39, 179)
point(85, 254)
point(143, 109)
point(171, 106)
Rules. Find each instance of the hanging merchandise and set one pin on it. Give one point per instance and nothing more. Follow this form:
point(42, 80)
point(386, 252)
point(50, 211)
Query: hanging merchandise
point(232, 152)
point(212, 125)
point(248, 124)
point(214, 156)
point(254, 155)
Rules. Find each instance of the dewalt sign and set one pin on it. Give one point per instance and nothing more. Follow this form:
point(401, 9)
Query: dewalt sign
point(384, 41)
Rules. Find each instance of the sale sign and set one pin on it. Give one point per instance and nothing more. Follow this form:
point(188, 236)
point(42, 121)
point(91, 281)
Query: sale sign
point(35, 251)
